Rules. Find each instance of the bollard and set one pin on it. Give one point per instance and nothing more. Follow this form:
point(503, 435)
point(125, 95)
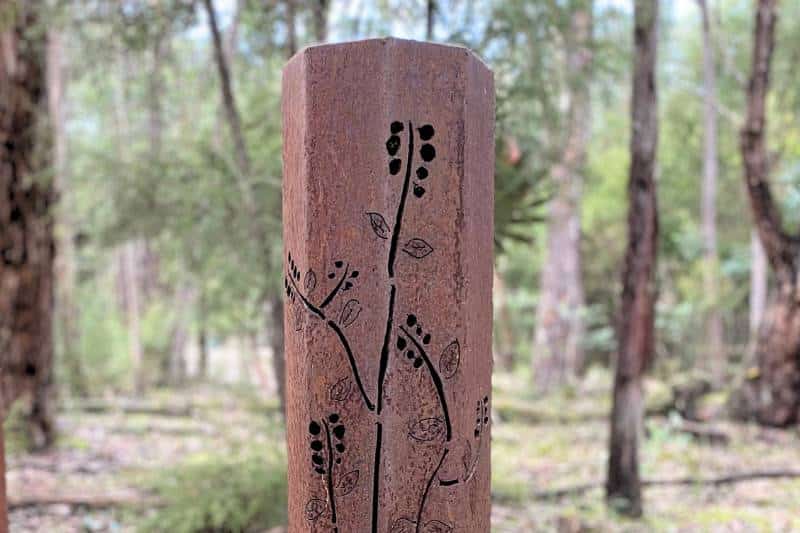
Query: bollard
point(388, 197)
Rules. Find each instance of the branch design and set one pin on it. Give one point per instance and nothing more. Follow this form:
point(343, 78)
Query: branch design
point(437, 380)
point(425, 430)
point(292, 290)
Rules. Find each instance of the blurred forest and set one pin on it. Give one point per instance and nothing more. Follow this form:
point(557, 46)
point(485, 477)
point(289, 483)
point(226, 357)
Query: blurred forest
point(154, 172)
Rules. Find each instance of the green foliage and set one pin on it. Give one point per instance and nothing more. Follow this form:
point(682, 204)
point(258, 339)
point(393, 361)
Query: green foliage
point(221, 494)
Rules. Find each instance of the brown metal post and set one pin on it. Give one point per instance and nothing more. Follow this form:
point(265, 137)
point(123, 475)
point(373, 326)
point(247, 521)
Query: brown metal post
point(388, 229)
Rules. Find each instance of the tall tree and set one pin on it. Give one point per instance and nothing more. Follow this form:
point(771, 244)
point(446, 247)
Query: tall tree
point(708, 203)
point(777, 394)
point(291, 28)
point(272, 302)
point(636, 329)
point(26, 196)
point(319, 9)
point(66, 309)
point(430, 18)
point(558, 350)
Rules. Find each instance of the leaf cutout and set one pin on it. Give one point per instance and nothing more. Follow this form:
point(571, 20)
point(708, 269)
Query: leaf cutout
point(403, 525)
point(379, 225)
point(450, 360)
point(417, 248)
point(347, 483)
point(314, 509)
point(427, 429)
point(350, 312)
point(437, 526)
point(340, 391)
point(310, 282)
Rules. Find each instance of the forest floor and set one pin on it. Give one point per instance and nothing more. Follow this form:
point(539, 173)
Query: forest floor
point(100, 476)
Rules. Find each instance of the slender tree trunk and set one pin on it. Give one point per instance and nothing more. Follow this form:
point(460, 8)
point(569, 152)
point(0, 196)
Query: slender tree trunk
point(291, 28)
point(430, 19)
point(636, 331)
point(256, 230)
point(558, 341)
point(708, 205)
point(130, 280)
point(320, 13)
point(759, 276)
point(277, 345)
point(777, 387)
point(228, 98)
point(26, 227)
point(128, 255)
point(66, 311)
point(176, 372)
point(202, 337)
point(504, 340)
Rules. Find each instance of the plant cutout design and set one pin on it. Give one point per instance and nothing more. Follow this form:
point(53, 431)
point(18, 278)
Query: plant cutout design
point(450, 360)
point(310, 281)
point(350, 313)
point(417, 248)
point(427, 429)
point(345, 282)
point(327, 449)
point(347, 483)
point(341, 390)
point(412, 339)
point(481, 423)
point(314, 508)
point(379, 225)
point(406, 525)
point(409, 336)
point(427, 153)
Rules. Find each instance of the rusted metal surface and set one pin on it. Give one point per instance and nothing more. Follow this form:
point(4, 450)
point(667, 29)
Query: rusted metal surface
point(388, 231)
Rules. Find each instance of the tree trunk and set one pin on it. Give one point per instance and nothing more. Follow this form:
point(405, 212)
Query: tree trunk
point(66, 311)
point(202, 337)
point(776, 394)
point(130, 281)
point(243, 163)
point(759, 277)
point(708, 205)
point(228, 99)
point(558, 342)
point(26, 229)
point(430, 19)
point(291, 28)
point(636, 331)
point(320, 13)
point(275, 330)
point(504, 340)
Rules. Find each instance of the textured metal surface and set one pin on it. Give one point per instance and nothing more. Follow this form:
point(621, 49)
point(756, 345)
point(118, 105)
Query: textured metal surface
point(387, 206)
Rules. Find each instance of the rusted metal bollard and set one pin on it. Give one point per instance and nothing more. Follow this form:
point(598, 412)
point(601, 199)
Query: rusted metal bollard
point(388, 211)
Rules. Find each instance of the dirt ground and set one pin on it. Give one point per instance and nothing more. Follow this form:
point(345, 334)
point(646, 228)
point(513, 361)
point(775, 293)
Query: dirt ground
point(94, 480)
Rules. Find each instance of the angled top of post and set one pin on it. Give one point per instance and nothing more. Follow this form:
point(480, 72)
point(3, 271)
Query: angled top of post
point(387, 41)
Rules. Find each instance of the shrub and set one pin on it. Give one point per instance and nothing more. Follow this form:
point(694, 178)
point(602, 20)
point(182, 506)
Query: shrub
point(221, 495)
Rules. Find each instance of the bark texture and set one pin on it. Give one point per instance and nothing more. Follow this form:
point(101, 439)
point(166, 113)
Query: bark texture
point(26, 228)
point(708, 205)
point(387, 206)
point(775, 393)
point(558, 343)
point(636, 330)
